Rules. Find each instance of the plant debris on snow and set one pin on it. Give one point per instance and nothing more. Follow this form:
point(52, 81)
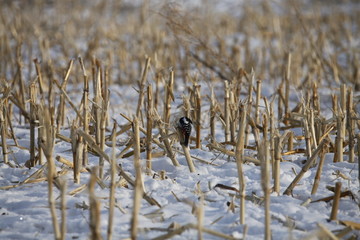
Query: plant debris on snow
point(92, 92)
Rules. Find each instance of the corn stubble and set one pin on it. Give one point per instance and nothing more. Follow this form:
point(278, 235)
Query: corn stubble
point(43, 98)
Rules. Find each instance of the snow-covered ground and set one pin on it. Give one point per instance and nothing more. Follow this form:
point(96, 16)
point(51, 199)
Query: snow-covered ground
point(25, 213)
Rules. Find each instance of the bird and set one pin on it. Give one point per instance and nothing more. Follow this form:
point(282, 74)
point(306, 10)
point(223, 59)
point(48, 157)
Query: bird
point(184, 127)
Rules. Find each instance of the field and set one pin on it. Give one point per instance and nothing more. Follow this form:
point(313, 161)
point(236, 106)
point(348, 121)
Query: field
point(91, 93)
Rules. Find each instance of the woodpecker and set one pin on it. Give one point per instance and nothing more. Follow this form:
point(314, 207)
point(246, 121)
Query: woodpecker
point(184, 129)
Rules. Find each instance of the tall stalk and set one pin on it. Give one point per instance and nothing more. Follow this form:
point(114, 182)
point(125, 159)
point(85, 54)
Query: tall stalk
point(239, 151)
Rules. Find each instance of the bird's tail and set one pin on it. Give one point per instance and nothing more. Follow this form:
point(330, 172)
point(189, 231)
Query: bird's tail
point(186, 140)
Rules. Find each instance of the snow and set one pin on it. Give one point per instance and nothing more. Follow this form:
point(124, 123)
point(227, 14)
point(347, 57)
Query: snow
point(24, 209)
point(25, 213)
